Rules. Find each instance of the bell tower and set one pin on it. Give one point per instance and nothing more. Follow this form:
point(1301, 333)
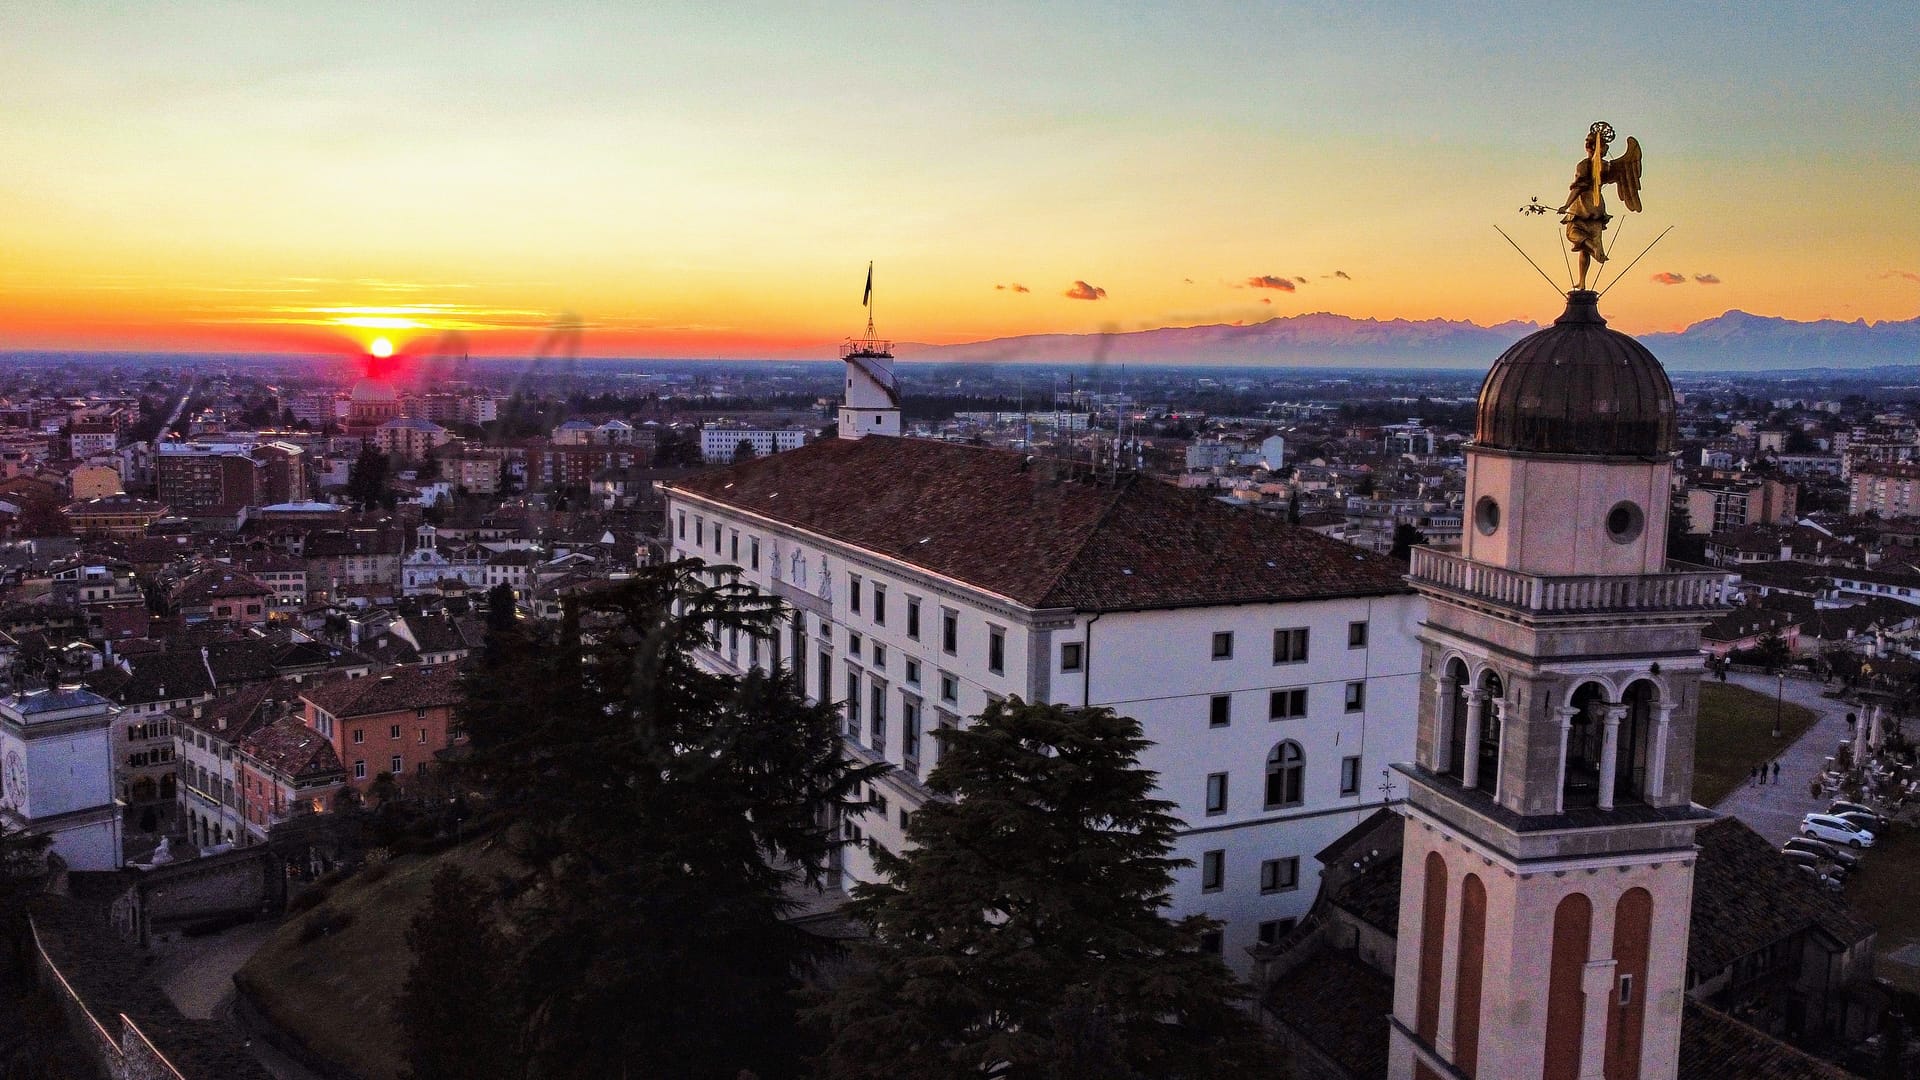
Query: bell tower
point(1548, 860)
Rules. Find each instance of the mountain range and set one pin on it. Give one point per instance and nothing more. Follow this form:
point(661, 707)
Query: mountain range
point(1735, 341)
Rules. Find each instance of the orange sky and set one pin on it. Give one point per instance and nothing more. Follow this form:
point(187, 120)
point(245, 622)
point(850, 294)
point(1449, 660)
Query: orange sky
point(678, 181)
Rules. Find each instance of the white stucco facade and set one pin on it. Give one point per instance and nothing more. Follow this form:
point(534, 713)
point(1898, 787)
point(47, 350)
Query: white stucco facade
point(56, 773)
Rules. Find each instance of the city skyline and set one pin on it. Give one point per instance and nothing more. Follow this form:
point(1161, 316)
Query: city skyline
point(692, 182)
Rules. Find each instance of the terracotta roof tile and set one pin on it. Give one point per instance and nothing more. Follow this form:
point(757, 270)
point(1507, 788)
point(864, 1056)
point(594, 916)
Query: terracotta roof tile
point(1747, 896)
point(396, 689)
point(1043, 533)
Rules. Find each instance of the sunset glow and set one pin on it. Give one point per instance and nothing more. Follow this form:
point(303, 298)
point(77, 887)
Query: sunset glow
point(381, 348)
point(1065, 169)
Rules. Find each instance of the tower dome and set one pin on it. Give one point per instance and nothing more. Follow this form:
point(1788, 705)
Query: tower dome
point(1577, 388)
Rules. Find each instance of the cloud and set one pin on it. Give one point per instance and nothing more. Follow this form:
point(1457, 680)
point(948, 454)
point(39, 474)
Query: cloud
point(1266, 299)
point(1187, 280)
point(1015, 287)
point(1343, 275)
point(1300, 280)
point(1904, 274)
point(1083, 291)
point(1668, 279)
point(1269, 281)
point(1707, 279)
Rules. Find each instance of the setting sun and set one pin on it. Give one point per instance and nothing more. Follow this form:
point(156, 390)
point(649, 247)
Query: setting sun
point(381, 348)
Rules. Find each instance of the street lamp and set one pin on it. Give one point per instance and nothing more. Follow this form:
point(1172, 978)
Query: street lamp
point(1779, 693)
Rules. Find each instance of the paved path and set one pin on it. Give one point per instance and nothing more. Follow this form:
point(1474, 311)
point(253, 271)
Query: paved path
point(196, 974)
point(1774, 810)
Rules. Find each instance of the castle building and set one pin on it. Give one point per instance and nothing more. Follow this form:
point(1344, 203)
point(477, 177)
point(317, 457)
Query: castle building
point(1273, 669)
point(1549, 839)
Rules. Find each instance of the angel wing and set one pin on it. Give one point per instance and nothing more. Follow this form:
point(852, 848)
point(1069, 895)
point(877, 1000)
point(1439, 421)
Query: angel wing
point(1623, 173)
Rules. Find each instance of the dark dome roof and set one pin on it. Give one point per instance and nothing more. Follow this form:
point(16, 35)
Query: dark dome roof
point(1577, 388)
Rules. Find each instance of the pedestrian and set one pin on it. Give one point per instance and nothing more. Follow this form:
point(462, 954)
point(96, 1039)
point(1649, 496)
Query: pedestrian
point(1776, 772)
point(1752, 772)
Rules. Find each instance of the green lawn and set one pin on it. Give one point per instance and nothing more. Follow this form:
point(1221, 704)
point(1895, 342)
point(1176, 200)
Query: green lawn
point(336, 993)
point(1735, 731)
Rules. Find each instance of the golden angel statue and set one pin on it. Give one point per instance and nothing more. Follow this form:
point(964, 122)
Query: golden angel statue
point(1586, 208)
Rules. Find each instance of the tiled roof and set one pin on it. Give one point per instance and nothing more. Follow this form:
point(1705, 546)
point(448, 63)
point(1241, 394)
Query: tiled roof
point(1747, 896)
point(1042, 533)
point(161, 676)
point(289, 747)
point(230, 718)
point(1340, 1006)
point(396, 689)
point(1715, 1046)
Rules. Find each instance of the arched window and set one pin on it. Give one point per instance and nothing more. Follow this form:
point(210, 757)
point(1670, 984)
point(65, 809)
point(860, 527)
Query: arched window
point(1286, 775)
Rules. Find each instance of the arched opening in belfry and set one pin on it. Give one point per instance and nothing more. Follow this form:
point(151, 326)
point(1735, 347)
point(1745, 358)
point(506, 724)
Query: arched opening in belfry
point(1586, 730)
point(1453, 760)
point(1634, 751)
point(1488, 777)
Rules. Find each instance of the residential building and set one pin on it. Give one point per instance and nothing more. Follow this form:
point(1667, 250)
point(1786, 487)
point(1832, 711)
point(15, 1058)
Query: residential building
point(208, 479)
point(1721, 506)
point(121, 516)
point(397, 722)
point(1889, 489)
point(720, 442)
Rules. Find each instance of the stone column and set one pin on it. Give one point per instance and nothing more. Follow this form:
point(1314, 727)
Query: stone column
point(1610, 753)
point(1470, 758)
point(1597, 983)
point(1662, 723)
point(1860, 735)
point(1442, 723)
point(1566, 714)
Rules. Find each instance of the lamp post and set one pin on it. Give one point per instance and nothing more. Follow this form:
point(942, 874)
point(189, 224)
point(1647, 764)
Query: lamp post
point(1779, 694)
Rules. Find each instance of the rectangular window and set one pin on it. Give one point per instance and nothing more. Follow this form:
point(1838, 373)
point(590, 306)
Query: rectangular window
point(1626, 989)
point(1350, 775)
point(734, 547)
point(1290, 646)
point(879, 655)
point(913, 672)
point(877, 722)
point(853, 643)
point(826, 675)
point(1223, 645)
point(1220, 710)
point(753, 552)
point(997, 650)
point(879, 604)
point(949, 688)
point(397, 766)
point(1213, 871)
point(853, 593)
point(910, 731)
point(699, 531)
point(1212, 942)
point(1356, 696)
point(1280, 875)
point(1290, 704)
point(1072, 655)
point(853, 701)
point(1216, 793)
point(1273, 930)
point(913, 617)
point(950, 632)
point(1357, 635)
point(359, 735)
point(359, 770)
point(683, 524)
point(423, 735)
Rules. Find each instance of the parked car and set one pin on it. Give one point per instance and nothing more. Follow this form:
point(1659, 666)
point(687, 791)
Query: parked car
point(1827, 882)
point(1870, 822)
point(1835, 830)
point(1819, 865)
point(1842, 806)
point(1837, 856)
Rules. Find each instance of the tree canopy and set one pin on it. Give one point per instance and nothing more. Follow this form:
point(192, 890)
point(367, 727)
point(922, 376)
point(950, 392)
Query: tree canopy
point(1024, 933)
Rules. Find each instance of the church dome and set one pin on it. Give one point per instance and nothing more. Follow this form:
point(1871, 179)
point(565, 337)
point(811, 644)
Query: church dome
point(1577, 388)
point(373, 390)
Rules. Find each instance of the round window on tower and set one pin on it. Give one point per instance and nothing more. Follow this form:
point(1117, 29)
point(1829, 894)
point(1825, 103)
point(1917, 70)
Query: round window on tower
point(1624, 523)
point(1486, 515)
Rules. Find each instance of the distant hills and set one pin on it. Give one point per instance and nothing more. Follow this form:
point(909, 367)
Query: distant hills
point(1735, 341)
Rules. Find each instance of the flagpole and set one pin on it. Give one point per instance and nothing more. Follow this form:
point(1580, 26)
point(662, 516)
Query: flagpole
point(869, 299)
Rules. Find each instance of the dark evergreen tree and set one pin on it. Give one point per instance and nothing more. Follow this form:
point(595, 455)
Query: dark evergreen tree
point(457, 1024)
point(1024, 935)
point(367, 479)
point(664, 814)
point(23, 867)
point(1405, 539)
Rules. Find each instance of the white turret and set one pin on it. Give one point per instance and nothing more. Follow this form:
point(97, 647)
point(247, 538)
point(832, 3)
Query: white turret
point(872, 403)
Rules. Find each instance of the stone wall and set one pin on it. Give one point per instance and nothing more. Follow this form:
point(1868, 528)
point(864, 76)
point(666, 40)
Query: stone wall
point(237, 883)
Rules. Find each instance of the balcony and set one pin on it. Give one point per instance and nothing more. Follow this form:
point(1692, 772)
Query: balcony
point(1573, 594)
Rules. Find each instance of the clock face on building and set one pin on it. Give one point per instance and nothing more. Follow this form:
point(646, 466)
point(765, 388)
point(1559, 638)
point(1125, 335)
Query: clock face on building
point(13, 786)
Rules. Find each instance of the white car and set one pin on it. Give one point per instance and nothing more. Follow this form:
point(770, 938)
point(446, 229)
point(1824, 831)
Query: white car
point(1835, 830)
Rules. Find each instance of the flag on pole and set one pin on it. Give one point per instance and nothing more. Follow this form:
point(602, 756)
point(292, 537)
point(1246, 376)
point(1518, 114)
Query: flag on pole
point(866, 297)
